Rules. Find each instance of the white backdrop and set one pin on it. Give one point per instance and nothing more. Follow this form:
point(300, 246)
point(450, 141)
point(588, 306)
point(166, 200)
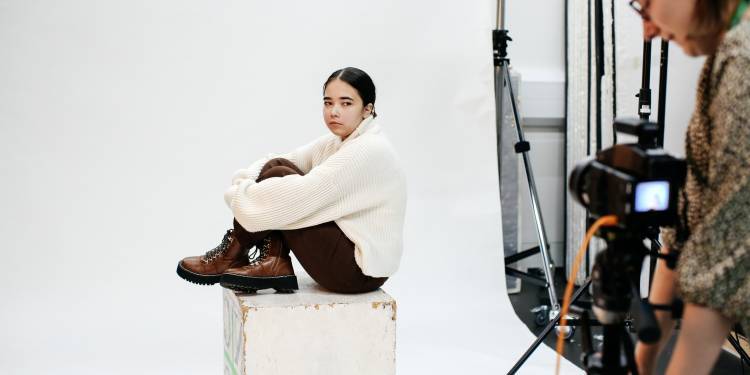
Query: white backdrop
point(122, 122)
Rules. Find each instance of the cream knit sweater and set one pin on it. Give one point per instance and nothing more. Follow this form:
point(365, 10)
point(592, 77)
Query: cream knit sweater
point(358, 183)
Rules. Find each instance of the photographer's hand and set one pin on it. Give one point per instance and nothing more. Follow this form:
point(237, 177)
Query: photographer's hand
point(663, 290)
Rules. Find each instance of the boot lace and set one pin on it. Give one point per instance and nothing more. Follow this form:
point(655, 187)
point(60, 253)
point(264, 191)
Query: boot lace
point(218, 250)
point(260, 252)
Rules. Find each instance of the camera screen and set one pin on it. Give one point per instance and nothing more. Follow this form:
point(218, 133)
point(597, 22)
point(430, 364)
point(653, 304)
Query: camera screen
point(652, 196)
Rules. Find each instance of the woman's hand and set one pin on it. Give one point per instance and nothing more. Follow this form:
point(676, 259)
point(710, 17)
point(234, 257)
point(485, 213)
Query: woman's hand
point(663, 290)
point(241, 175)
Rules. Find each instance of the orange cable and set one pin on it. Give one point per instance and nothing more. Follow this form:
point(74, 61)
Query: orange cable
point(609, 220)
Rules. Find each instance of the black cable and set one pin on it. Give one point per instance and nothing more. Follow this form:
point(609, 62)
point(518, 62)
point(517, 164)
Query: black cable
point(614, 76)
point(588, 82)
point(565, 114)
point(661, 114)
point(599, 71)
point(588, 109)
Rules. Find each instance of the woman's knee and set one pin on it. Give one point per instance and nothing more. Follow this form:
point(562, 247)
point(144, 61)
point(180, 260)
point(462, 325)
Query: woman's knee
point(278, 163)
point(276, 171)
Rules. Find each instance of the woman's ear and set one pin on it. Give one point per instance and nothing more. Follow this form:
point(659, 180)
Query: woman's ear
point(368, 110)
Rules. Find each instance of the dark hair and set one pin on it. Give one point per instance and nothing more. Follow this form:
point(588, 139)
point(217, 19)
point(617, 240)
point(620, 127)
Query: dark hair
point(358, 79)
point(712, 15)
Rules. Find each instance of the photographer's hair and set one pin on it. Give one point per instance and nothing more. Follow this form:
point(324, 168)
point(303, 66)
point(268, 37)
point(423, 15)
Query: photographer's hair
point(361, 82)
point(712, 15)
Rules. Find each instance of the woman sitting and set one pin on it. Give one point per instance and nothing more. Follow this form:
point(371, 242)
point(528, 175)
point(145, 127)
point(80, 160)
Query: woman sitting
point(337, 203)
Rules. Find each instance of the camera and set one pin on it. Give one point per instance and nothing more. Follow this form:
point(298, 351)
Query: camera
point(637, 182)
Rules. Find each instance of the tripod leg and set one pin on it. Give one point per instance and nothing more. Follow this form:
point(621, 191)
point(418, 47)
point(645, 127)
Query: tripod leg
point(550, 326)
point(611, 350)
point(627, 344)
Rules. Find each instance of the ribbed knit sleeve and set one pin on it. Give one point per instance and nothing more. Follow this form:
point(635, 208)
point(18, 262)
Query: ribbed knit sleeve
point(302, 157)
point(341, 185)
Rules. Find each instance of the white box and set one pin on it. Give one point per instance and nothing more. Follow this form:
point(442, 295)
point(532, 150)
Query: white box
point(312, 331)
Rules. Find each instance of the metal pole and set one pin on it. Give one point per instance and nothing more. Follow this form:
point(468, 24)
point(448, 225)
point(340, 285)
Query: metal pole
point(663, 61)
point(644, 95)
point(541, 233)
point(500, 15)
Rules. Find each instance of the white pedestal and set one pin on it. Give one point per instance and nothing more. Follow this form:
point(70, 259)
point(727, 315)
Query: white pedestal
point(312, 331)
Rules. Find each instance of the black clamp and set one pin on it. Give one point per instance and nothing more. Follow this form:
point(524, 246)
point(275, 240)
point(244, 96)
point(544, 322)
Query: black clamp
point(500, 39)
point(671, 258)
point(677, 307)
point(522, 146)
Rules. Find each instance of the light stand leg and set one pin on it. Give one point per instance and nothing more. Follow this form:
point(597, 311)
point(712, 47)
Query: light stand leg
point(523, 147)
point(500, 40)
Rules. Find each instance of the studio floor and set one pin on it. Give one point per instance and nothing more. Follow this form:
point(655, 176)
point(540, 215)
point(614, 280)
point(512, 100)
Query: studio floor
point(531, 296)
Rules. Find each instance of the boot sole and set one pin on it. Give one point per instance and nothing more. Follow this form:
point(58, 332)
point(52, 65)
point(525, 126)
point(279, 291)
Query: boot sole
point(247, 284)
point(197, 278)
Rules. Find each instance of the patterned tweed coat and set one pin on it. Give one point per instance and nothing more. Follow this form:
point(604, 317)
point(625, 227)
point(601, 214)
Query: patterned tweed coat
point(714, 234)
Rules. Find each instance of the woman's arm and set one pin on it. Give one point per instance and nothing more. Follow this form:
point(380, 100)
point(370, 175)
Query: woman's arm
point(663, 291)
point(355, 178)
point(302, 157)
point(702, 333)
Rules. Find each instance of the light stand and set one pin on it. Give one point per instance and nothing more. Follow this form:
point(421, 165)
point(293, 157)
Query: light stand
point(500, 38)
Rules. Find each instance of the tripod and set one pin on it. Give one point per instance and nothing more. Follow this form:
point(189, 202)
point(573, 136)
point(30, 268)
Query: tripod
point(500, 39)
point(614, 278)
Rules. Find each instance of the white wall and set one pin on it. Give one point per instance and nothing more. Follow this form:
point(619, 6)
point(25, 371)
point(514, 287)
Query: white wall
point(537, 53)
point(538, 46)
point(122, 122)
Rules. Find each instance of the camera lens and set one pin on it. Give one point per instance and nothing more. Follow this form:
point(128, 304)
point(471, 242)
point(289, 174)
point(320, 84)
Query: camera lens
point(577, 183)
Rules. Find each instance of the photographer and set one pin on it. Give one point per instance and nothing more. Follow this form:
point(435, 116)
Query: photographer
point(713, 235)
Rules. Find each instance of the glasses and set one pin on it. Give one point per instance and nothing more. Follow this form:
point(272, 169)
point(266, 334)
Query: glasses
point(640, 9)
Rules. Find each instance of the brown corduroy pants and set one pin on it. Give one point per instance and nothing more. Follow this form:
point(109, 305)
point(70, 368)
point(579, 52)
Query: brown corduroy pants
point(323, 250)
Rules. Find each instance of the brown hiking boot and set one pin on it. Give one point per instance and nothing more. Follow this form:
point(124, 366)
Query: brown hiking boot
point(207, 269)
point(271, 269)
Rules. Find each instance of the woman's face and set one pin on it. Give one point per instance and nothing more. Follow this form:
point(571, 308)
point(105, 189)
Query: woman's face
point(343, 109)
point(673, 20)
